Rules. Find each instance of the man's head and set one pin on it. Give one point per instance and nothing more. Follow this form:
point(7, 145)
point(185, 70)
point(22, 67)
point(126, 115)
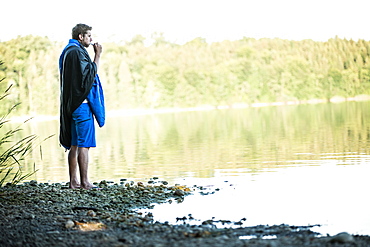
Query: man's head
point(82, 33)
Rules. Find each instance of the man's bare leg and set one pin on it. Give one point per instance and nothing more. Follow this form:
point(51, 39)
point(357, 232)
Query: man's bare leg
point(83, 163)
point(72, 163)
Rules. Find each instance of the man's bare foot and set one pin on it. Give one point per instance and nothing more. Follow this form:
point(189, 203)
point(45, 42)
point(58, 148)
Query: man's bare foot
point(89, 186)
point(74, 185)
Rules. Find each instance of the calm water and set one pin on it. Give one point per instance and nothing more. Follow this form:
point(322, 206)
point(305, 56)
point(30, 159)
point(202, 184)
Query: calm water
point(306, 164)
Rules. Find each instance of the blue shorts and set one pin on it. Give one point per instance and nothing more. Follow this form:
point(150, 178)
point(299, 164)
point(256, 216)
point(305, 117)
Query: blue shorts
point(83, 128)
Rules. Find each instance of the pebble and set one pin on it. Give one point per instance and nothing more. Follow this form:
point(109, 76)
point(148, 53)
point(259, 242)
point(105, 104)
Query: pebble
point(59, 218)
point(33, 182)
point(69, 224)
point(179, 193)
point(342, 237)
point(126, 226)
point(29, 216)
point(91, 213)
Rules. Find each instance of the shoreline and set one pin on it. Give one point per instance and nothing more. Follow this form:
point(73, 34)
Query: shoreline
point(140, 112)
point(42, 214)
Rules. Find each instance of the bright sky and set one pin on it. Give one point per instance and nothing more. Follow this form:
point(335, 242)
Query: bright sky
point(181, 21)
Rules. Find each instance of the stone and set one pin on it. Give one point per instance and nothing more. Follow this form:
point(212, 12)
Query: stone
point(342, 237)
point(69, 224)
point(179, 193)
point(91, 213)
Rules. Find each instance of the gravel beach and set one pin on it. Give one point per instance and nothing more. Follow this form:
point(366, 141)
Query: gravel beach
point(41, 214)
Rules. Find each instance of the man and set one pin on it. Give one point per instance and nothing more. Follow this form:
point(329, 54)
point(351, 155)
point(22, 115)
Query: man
point(81, 100)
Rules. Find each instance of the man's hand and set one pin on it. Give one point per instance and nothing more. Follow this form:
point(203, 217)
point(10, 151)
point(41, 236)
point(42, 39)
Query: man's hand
point(98, 49)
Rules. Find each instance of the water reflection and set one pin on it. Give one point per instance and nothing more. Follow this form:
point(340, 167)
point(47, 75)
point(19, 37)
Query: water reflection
point(299, 164)
point(196, 143)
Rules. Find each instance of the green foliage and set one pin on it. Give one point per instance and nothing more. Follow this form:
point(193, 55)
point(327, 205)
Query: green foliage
point(32, 69)
point(197, 73)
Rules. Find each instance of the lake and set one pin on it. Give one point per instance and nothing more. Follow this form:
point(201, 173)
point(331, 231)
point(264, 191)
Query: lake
point(294, 164)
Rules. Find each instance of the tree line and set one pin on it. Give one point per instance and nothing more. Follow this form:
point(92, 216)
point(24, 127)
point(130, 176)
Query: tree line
point(166, 75)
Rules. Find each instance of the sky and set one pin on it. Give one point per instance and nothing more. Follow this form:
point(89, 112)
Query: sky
point(181, 21)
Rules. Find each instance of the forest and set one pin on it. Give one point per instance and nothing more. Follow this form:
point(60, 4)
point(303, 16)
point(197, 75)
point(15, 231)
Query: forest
point(169, 75)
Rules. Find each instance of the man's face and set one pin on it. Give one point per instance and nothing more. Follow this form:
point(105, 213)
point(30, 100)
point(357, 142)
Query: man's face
point(85, 39)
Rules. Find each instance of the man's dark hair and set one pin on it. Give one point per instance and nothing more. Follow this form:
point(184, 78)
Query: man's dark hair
point(80, 29)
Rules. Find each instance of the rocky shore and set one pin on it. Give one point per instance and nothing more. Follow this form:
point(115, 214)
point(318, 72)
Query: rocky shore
point(41, 214)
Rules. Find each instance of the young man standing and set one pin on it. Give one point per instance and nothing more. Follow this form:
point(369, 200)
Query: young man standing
point(81, 99)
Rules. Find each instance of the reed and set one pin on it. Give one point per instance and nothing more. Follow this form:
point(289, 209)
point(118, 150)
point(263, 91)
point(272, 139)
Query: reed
point(14, 152)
